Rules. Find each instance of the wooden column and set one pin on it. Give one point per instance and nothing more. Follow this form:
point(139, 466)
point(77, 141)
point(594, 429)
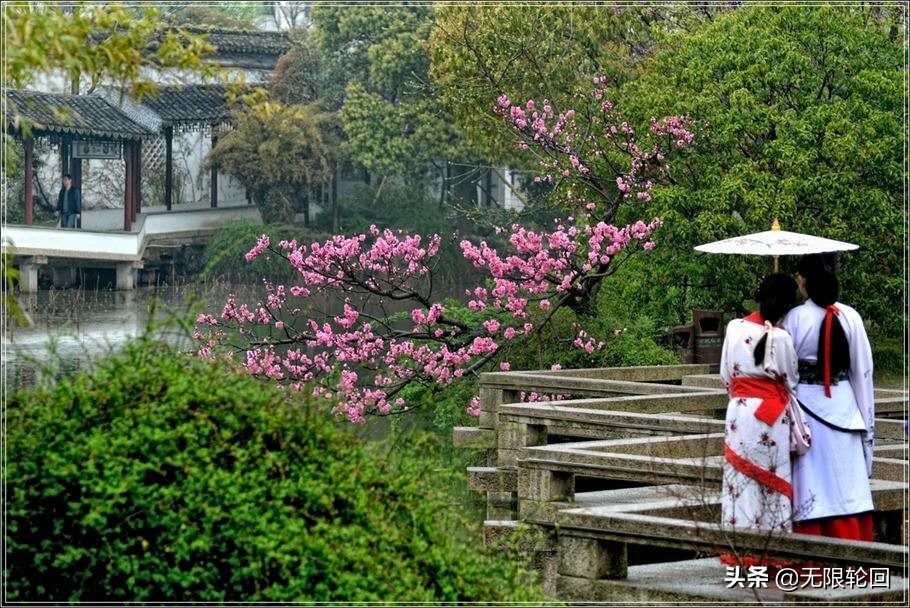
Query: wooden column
point(77, 184)
point(168, 167)
point(128, 185)
point(137, 178)
point(29, 179)
point(65, 147)
point(214, 171)
point(77, 173)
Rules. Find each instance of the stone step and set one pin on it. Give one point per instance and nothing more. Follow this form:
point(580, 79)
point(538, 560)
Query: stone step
point(607, 532)
point(687, 502)
point(473, 437)
point(889, 406)
point(704, 381)
point(890, 429)
point(492, 479)
point(704, 581)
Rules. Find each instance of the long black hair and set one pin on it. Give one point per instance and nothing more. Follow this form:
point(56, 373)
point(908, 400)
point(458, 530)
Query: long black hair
point(822, 287)
point(775, 296)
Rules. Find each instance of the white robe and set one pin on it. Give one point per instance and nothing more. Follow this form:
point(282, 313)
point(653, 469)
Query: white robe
point(760, 498)
point(832, 478)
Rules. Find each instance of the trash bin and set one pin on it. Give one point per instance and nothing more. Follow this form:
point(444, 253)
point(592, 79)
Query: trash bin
point(684, 343)
point(709, 337)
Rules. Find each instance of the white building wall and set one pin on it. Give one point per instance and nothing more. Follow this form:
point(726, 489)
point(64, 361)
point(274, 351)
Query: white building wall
point(103, 180)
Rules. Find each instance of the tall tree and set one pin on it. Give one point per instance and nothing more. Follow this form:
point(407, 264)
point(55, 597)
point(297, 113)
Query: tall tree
point(540, 51)
point(391, 113)
point(804, 108)
point(278, 153)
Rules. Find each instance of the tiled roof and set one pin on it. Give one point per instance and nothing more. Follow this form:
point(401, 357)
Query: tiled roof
point(76, 114)
point(244, 41)
point(189, 104)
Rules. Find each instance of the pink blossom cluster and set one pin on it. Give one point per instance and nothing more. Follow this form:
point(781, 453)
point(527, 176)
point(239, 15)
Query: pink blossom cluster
point(256, 251)
point(574, 145)
point(360, 358)
point(587, 342)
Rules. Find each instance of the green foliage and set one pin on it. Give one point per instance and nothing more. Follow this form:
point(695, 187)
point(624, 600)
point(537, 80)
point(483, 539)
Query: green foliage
point(391, 113)
point(364, 38)
point(537, 51)
point(802, 108)
point(158, 477)
point(305, 74)
point(889, 356)
point(279, 154)
point(223, 255)
point(402, 207)
point(234, 15)
point(629, 338)
point(390, 138)
point(107, 42)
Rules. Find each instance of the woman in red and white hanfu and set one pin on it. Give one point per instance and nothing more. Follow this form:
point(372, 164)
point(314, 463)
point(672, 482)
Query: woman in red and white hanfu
point(831, 481)
point(759, 367)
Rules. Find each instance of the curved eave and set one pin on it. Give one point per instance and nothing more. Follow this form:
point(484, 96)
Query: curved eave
point(49, 131)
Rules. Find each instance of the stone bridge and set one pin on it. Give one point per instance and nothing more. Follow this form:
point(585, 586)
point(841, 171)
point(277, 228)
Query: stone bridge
point(66, 250)
point(613, 490)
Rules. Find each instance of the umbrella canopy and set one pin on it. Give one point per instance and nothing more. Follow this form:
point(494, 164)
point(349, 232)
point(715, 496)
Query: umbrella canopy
point(775, 242)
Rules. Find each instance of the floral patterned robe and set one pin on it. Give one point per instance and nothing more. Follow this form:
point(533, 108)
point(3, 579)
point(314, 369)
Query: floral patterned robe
point(757, 491)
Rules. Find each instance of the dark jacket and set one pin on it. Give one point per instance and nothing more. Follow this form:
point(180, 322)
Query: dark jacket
point(73, 202)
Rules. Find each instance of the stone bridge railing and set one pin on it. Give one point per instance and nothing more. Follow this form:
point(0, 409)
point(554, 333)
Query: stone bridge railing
point(613, 489)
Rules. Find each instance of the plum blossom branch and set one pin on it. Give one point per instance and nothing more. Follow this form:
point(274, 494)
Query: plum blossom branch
point(361, 358)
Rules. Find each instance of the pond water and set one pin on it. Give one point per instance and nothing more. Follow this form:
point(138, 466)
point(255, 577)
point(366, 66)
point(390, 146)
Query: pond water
point(71, 327)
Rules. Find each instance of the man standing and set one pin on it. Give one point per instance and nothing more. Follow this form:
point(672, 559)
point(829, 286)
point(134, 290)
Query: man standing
point(69, 203)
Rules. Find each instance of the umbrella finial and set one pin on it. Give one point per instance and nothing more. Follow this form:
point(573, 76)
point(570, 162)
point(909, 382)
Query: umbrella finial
point(775, 225)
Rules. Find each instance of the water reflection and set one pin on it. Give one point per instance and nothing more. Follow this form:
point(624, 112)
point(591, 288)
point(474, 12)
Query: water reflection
point(71, 327)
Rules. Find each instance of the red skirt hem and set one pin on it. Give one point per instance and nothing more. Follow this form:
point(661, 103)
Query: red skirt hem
point(857, 526)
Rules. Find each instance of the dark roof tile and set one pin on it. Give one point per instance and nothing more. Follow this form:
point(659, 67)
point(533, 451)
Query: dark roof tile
point(76, 114)
point(189, 104)
point(244, 41)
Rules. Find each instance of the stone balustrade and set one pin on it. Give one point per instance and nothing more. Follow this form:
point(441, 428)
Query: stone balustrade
point(617, 483)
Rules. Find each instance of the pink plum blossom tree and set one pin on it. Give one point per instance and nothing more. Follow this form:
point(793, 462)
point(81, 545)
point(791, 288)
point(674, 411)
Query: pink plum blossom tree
point(362, 359)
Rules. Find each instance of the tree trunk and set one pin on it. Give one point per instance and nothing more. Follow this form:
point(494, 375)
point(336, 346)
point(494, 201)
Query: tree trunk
point(379, 190)
point(444, 172)
point(335, 201)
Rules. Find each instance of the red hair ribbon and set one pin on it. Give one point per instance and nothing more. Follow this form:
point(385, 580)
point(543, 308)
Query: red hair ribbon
point(830, 311)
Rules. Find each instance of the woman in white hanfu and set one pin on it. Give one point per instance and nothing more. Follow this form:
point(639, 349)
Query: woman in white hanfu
point(758, 366)
point(832, 495)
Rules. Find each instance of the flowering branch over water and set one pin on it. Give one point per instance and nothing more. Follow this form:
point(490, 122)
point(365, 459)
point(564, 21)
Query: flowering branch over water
point(361, 359)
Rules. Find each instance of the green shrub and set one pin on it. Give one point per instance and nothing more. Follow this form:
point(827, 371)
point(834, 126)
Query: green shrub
point(161, 477)
point(628, 339)
point(889, 356)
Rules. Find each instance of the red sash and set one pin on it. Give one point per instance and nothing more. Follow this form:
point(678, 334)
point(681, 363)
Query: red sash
point(773, 394)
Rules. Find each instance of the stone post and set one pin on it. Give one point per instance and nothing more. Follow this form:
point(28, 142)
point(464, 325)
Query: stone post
point(591, 558)
point(64, 276)
point(126, 274)
point(28, 273)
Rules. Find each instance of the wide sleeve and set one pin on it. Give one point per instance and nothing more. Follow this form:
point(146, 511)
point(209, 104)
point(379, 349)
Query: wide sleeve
point(784, 362)
point(861, 369)
point(725, 372)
